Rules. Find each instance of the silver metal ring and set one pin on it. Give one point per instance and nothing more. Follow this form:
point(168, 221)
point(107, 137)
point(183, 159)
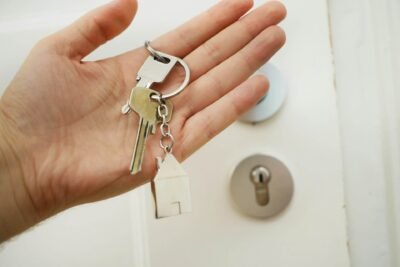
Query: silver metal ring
point(167, 147)
point(160, 55)
point(154, 53)
point(162, 109)
point(165, 129)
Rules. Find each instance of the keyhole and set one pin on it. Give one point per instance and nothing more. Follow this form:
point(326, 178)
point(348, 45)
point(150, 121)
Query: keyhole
point(260, 177)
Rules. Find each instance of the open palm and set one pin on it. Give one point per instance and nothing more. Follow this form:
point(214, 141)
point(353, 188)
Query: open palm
point(65, 112)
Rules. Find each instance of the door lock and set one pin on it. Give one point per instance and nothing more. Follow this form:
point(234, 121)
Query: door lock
point(260, 176)
point(261, 186)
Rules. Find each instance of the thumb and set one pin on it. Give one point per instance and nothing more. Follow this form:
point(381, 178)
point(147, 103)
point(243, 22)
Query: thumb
point(95, 28)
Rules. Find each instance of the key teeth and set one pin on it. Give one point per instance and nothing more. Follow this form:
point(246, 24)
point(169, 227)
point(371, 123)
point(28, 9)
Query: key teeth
point(126, 109)
point(133, 172)
point(153, 129)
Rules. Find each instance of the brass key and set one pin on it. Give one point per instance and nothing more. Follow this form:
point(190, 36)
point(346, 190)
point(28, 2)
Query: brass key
point(142, 103)
point(146, 108)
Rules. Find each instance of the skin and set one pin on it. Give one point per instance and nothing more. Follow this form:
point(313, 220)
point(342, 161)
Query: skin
point(63, 139)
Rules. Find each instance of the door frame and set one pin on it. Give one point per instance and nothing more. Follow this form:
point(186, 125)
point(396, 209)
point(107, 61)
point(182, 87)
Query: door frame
point(365, 35)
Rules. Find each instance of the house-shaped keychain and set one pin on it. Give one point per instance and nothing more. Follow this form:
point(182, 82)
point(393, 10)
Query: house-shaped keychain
point(171, 188)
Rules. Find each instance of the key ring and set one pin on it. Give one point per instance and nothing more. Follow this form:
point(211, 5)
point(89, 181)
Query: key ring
point(160, 56)
point(154, 52)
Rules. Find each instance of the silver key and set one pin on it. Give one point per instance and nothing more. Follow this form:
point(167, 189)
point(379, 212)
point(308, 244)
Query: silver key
point(152, 71)
point(146, 108)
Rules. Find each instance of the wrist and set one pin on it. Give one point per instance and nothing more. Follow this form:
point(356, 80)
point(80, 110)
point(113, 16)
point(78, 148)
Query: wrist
point(17, 210)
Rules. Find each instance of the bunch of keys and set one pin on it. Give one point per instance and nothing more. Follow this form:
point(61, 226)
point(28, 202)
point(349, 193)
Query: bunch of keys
point(170, 187)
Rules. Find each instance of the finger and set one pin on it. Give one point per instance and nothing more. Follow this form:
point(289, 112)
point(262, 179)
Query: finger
point(95, 28)
point(190, 35)
point(184, 39)
point(216, 117)
point(226, 76)
point(228, 42)
point(233, 38)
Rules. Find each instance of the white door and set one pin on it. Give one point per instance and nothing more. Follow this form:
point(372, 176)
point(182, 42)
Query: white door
point(304, 135)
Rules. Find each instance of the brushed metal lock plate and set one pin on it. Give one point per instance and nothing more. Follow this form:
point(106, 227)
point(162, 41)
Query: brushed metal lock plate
point(261, 186)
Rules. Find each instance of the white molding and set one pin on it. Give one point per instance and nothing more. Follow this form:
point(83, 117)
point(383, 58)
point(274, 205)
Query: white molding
point(365, 38)
point(138, 215)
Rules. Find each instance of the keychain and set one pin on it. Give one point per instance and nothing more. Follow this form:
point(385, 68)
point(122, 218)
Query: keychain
point(170, 187)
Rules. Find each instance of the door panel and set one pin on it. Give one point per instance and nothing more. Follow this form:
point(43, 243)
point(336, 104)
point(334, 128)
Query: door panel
point(304, 135)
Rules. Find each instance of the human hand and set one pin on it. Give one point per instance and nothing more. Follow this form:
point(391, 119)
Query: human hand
point(61, 115)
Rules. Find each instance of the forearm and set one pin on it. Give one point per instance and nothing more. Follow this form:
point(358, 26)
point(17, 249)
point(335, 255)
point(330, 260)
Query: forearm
point(17, 212)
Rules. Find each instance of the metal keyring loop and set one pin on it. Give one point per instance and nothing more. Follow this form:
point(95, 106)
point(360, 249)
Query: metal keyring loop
point(167, 147)
point(161, 57)
point(165, 129)
point(154, 52)
point(162, 110)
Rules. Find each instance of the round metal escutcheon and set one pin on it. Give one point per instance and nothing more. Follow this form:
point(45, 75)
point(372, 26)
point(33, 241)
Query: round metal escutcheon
point(280, 186)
